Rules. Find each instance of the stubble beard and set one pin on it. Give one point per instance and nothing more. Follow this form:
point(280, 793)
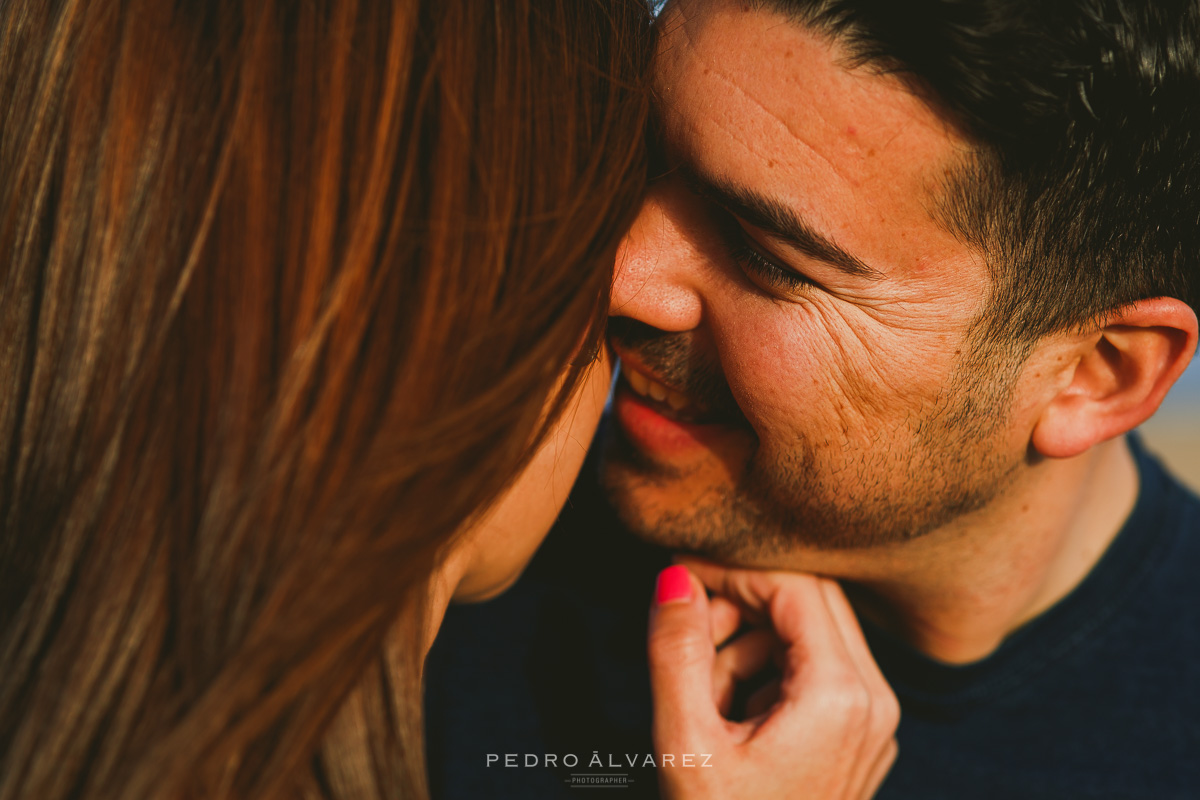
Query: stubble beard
point(955, 464)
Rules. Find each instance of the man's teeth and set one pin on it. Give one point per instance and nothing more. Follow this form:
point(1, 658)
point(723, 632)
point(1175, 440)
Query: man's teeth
point(639, 382)
point(648, 388)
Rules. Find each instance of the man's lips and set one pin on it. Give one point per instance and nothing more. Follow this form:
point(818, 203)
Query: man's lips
point(666, 425)
point(674, 401)
point(659, 396)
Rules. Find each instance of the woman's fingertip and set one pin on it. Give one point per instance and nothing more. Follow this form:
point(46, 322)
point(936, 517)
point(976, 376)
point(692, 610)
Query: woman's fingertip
point(674, 585)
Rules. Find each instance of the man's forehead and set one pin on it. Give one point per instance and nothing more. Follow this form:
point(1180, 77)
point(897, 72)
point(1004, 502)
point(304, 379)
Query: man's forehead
point(768, 78)
point(759, 101)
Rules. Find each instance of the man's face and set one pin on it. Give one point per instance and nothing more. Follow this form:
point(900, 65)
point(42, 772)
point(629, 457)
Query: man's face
point(788, 281)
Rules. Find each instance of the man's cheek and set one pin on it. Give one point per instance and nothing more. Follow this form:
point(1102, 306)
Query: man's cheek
point(773, 392)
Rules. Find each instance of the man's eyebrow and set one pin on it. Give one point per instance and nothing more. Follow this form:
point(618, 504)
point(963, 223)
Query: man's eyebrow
point(776, 219)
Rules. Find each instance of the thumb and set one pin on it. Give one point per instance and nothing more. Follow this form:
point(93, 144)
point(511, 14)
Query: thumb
point(681, 657)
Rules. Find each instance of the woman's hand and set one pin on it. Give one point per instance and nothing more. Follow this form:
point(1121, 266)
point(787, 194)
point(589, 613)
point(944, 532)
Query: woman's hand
point(824, 729)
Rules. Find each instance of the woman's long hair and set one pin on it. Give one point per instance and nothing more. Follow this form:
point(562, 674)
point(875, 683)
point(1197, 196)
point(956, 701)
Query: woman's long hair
point(284, 287)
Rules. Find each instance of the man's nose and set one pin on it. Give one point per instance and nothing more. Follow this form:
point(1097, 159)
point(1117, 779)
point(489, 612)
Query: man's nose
point(658, 268)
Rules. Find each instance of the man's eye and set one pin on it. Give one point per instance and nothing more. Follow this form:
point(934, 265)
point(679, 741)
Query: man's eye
point(765, 271)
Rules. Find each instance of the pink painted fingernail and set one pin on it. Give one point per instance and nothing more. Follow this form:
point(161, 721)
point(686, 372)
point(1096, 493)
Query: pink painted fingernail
point(674, 584)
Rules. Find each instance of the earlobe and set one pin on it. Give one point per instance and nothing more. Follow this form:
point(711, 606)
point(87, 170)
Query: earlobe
point(1121, 378)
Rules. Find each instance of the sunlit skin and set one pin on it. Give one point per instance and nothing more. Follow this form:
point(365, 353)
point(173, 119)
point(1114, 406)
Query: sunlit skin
point(869, 440)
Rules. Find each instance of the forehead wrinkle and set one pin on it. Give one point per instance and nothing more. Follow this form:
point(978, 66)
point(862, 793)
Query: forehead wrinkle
point(847, 67)
point(699, 121)
point(792, 130)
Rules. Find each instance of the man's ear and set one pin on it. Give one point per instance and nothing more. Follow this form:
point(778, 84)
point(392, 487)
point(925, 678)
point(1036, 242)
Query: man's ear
point(1120, 378)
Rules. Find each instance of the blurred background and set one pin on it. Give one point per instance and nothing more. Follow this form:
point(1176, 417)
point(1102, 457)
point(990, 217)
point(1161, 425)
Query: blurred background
point(1174, 432)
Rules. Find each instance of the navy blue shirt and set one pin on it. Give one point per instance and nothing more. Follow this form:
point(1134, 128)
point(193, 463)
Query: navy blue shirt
point(545, 689)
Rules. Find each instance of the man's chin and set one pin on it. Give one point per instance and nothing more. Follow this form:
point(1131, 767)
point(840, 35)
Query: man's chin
point(643, 493)
point(702, 512)
point(682, 510)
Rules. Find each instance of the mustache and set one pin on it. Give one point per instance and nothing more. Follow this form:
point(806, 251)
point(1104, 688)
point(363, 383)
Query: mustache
point(679, 362)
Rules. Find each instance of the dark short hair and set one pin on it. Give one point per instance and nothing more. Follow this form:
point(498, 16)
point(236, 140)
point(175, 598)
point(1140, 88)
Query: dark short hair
point(1084, 189)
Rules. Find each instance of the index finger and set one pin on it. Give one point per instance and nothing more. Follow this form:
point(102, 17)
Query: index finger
point(750, 589)
point(797, 606)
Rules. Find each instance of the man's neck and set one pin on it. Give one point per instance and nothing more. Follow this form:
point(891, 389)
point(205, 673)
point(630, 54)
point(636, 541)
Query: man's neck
point(957, 593)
